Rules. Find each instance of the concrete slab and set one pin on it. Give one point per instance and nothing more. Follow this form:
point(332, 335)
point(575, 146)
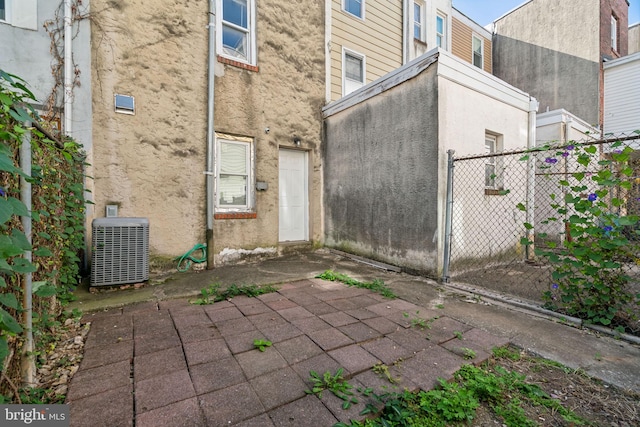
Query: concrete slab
point(185, 413)
point(297, 349)
point(97, 380)
point(159, 363)
point(230, 405)
point(107, 354)
point(278, 387)
point(354, 358)
point(205, 351)
point(85, 412)
point(255, 363)
point(308, 411)
point(164, 390)
point(329, 339)
point(359, 332)
point(222, 373)
point(386, 350)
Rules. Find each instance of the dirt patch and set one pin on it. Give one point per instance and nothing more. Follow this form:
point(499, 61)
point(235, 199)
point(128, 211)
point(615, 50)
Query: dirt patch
point(591, 400)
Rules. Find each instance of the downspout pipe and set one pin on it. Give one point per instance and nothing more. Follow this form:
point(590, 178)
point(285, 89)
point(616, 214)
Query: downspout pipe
point(531, 177)
point(68, 67)
point(209, 173)
point(448, 217)
point(28, 364)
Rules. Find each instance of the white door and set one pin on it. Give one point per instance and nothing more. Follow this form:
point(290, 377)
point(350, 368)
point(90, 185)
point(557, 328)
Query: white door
point(293, 186)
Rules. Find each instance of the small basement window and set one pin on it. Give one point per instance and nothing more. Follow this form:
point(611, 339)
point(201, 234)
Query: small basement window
point(125, 104)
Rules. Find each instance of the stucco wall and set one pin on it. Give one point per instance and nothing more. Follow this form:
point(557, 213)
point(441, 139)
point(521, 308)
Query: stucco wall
point(286, 95)
point(381, 175)
point(466, 115)
point(27, 54)
point(551, 50)
point(152, 163)
point(634, 38)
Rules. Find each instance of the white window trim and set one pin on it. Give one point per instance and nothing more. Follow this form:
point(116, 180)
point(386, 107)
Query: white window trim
point(614, 33)
point(423, 21)
point(481, 39)
point(445, 30)
point(250, 206)
point(345, 52)
point(7, 12)
point(252, 57)
point(344, 9)
point(498, 180)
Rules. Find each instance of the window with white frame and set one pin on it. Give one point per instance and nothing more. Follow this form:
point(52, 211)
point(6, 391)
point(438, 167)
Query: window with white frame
point(418, 28)
point(478, 51)
point(353, 71)
point(441, 31)
point(20, 13)
point(354, 7)
point(236, 30)
point(492, 166)
point(614, 33)
point(235, 178)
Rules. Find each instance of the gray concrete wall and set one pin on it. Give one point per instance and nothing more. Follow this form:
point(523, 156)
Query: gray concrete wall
point(634, 38)
point(381, 175)
point(551, 50)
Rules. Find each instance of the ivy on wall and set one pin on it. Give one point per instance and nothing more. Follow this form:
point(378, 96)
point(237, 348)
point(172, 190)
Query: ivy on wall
point(58, 212)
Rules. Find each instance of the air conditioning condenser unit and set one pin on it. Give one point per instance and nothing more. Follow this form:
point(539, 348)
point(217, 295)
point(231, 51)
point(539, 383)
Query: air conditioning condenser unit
point(120, 251)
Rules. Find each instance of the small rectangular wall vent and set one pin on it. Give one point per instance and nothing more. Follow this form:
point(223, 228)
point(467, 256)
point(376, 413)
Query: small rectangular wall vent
point(120, 251)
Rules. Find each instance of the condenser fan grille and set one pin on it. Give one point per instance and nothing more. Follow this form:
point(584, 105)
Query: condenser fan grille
point(120, 251)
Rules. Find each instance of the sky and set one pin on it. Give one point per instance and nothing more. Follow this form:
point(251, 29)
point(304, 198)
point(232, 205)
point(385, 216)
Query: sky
point(486, 11)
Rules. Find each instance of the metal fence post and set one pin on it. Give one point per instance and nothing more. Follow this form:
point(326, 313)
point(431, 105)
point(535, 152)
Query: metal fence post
point(448, 217)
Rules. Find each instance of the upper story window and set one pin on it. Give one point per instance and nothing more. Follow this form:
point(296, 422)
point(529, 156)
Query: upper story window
point(418, 30)
point(353, 71)
point(478, 54)
point(236, 34)
point(614, 33)
point(20, 13)
point(354, 7)
point(441, 31)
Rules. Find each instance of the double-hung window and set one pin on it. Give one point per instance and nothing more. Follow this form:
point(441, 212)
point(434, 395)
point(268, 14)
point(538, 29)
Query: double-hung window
point(236, 24)
point(20, 13)
point(441, 31)
point(354, 7)
point(235, 177)
point(493, 170)
point(353, 71)
point(478, 55)
point(418, 30)
point(614, 33)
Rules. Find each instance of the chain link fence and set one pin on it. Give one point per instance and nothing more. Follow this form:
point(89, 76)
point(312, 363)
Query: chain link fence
point(501, 201)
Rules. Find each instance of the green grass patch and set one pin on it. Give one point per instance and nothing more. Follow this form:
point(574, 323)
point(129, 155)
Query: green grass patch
point(456, 402)
point(377, 285)
point(213, 293)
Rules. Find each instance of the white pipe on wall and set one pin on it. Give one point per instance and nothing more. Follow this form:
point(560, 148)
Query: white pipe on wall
point(209, 173)
point(68, 67)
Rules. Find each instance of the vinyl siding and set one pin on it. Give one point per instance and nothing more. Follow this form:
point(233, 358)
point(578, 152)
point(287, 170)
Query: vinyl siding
point(461, 44)
point(621, 94)
point(378, 37)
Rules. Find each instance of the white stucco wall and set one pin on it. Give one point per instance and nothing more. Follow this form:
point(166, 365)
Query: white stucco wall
point(472, 103)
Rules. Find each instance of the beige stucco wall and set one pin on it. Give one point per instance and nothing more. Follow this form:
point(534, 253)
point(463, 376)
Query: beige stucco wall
point(152, 163)
point(634, 38)
point(551, 24)
point(286, 95)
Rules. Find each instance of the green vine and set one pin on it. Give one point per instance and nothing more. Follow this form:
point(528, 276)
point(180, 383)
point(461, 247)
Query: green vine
point(57, 213)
